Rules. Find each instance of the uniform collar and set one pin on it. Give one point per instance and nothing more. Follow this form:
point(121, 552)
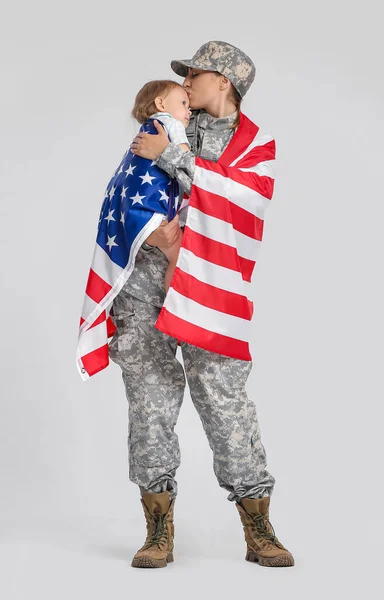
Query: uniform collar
point(206, 121)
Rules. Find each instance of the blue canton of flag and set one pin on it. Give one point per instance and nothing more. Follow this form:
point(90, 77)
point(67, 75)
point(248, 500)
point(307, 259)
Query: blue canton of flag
point(137, 190)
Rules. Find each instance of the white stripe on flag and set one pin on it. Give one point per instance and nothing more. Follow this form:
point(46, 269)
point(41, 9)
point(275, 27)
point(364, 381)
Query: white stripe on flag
point(104, 267)
point(223, 232)
point(238, 193)
point(92, 339)
point(88, 306)
point(259, 140)
point(208, 318)
point(267, 168)
point(207, 272)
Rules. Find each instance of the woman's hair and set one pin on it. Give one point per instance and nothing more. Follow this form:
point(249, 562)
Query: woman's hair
point(236, 98)
point(145, 105)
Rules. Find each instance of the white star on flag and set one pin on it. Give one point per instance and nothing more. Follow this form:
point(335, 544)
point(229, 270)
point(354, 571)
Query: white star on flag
point(122, 195)
point(146, 178)
point(120, 170)
point(136, 198)
point(109, 216)
point(129, 171)
point(163, 195)
point(111, 242)
point(122, 220)
point(112, 192)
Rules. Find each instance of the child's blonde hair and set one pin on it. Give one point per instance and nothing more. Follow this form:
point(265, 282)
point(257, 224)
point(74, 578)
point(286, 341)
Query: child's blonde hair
point(145, 105)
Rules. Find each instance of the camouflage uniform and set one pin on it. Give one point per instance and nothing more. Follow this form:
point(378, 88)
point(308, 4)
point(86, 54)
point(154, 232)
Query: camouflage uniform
point(155, 380)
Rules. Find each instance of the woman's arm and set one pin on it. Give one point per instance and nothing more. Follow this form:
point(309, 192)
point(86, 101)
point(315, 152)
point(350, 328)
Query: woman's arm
point(168, 156)
point(179, 164)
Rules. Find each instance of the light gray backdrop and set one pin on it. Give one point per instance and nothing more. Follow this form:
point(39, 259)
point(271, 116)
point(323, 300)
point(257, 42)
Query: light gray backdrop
point(70, 518)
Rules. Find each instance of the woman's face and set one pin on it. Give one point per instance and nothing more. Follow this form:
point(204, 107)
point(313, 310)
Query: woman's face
point(202, 88)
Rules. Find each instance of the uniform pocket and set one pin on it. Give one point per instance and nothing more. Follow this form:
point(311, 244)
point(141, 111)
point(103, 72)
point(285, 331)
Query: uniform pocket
point(126, 328)
point(123, 308)
point(123, 313)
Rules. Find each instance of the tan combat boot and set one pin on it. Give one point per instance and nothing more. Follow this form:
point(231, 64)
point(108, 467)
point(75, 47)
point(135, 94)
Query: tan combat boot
point(157, 550)
point(262, 544)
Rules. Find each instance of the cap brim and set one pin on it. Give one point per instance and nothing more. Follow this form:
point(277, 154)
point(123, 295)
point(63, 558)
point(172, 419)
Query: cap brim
point(180, 67)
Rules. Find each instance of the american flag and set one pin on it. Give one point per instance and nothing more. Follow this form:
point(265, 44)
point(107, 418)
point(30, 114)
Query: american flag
point(208, 303)
point(136, 200)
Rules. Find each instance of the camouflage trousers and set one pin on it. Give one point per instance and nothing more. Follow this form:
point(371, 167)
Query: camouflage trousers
point(155, 382)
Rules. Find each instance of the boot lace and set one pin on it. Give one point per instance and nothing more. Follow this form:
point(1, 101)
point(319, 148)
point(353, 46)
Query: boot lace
point(158, 533)
point(262, 529)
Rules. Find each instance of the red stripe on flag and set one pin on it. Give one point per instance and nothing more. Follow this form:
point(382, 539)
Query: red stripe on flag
point(217, 253)
point(96, 360)
point(200, 337)
point(243, 136)
point(99, 320)
point(210, 250)
point(211, 296)
point(259, 183)
point(257, 155)
point(96, 288)
point(217, 206)
point(247, 266)
point(111, 327)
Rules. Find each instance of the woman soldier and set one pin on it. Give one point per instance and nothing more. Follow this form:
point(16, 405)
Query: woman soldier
point(216, 79)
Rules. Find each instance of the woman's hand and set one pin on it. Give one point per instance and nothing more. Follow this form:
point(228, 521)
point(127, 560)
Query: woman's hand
point(148, 145)
point(166, 234)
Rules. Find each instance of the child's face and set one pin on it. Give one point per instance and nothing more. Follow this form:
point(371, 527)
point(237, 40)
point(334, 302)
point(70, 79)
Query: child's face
point(176, 103)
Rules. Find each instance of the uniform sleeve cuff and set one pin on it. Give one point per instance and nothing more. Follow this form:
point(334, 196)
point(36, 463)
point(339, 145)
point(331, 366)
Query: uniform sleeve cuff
point(146, 246)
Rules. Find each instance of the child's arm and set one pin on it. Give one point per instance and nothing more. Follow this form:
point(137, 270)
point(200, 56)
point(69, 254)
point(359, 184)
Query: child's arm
point(172, 252)
point(184, 147)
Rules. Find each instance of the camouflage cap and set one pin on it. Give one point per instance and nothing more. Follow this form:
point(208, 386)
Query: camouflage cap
point(222, 58)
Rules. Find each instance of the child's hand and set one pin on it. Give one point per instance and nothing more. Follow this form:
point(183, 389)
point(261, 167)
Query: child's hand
point(166, 234)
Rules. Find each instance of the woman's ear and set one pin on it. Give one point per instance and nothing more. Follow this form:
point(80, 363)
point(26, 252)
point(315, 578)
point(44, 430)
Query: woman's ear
point(159, 103)
point(224, 82)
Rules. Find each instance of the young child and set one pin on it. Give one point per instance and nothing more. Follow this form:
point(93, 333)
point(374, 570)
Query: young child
point(168, 102)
